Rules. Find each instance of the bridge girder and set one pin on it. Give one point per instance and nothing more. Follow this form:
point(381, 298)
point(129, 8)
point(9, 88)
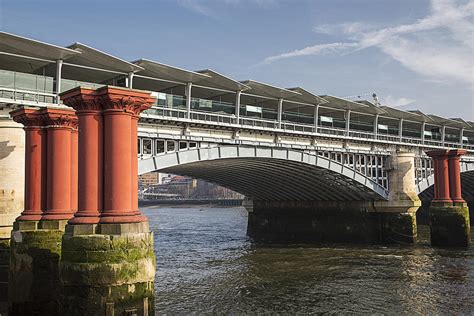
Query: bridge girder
point(269, 173)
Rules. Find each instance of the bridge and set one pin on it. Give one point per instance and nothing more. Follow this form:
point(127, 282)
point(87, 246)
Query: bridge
point(82, 125)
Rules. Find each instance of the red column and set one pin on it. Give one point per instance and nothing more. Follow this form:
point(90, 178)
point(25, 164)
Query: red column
point(35, 145)
point(74, 168)
point(435, 168)
point(117, 167)
point(134, 183)
point(441, 171)
point(90, 153)
point(120, 158)
point(455, 174)
point(59, 123)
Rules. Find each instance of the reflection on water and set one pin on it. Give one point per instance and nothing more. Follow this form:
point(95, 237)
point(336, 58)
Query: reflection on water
point(205, 263)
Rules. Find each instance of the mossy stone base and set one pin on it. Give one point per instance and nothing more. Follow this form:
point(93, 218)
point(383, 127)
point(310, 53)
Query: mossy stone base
point(449, 225)
point(398, 228)
point(108, 274)
point(337, 222)
point(34, 285)
point(4, 268)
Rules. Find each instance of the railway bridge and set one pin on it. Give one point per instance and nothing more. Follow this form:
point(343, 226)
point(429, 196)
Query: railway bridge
point(79, 126)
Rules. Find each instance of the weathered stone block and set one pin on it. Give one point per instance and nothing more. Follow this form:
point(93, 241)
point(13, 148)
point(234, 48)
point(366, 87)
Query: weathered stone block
point(34, 285)
point(54, 224)
point(108, 273)
point(25, 225)
point(312, 221)
point(399, 228)
point(449, 225)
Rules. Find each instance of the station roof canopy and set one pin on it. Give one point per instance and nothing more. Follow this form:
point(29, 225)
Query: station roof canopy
point(467, 123)
point(306, 97)
point(91, 57)
point(220, 81)
point(449, 122)
point(158, 70)
point(424, 117)
point(400, 114)
point(343, 104)
point(268, 91)
point(19, 53)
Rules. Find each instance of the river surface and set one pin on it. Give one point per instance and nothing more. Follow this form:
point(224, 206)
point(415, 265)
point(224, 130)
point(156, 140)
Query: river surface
point(206, 264)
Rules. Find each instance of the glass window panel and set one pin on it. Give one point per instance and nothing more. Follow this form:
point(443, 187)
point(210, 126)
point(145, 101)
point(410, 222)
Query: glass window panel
point(7, 79)
point(146, 146)
point(160, 146)
point(170, 145)
point(25, 81)
point(183, 145)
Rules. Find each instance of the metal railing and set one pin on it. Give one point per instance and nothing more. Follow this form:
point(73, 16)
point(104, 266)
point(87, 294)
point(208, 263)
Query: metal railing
point(287, 126)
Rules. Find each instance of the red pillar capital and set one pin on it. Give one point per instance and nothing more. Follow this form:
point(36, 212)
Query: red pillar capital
point(59, 124)
point(35, 162)
point(441, 173)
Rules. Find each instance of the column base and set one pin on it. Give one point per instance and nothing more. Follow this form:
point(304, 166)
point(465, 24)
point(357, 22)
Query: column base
point(338, 222)
point(449, 224)
point(34, 284)
point(108, 269)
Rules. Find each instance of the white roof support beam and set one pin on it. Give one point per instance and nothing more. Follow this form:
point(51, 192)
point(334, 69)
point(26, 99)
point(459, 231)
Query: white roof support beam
point(316, 116)
point(237, 106)
point(443, 135)
point(400, 129)
point(348, 121)
point(376, 125)
point(280, 111)
point(28, 57)
point(423, 126)
point(189, 86)
point(129, 82)
point(59, 67)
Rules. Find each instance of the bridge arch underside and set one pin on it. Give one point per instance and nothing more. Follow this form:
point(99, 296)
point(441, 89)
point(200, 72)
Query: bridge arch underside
point(277, 179)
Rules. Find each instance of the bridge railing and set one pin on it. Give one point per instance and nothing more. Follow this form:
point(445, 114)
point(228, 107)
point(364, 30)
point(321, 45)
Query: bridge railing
point(255, 122)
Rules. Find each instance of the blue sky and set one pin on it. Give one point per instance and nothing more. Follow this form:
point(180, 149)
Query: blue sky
point(415, 54)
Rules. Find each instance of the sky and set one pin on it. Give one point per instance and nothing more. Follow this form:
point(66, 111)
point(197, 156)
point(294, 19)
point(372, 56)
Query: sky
point(415, 54)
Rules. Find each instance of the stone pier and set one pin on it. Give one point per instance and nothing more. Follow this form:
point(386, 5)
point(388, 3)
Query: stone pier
point(12, 151)
point(449, 213)
point(107, 262)
point(34, 284)
point(392, 221)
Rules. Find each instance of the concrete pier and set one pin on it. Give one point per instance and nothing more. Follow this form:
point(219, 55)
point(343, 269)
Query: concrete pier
point(12, 169)
point(345, 222)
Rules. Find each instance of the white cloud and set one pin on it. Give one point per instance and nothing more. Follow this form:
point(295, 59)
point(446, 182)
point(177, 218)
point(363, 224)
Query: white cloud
point(204, 7)
point(439, 46)
point(313, 50)
point(196, 6)
point(396, 102)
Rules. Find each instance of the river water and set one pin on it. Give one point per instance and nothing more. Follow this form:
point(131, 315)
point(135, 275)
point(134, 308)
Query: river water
point(206, 264)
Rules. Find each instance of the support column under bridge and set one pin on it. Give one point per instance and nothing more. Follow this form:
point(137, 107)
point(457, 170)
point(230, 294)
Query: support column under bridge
point(347, 221)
